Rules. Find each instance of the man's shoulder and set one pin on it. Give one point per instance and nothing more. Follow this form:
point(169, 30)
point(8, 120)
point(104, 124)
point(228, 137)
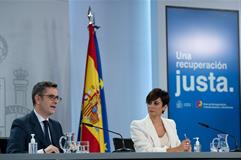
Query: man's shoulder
point(24, 118)
point(23, 122)
point(54, 122)
point(56, 126)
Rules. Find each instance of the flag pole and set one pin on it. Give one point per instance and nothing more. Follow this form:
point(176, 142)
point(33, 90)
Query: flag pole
point(91, 18)
point(93, 102)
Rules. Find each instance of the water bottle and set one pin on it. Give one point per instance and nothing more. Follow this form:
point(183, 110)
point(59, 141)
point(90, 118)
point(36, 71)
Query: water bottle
point(197, 145)
point(32, 146)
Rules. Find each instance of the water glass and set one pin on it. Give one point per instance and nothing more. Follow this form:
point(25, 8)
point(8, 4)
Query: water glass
point(213, 147)
point(83, 147)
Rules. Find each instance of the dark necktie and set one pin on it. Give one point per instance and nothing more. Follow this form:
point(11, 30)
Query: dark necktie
point(46, 133)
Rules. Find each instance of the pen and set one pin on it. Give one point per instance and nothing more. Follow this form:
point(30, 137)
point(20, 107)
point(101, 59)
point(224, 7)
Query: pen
point(185, 135)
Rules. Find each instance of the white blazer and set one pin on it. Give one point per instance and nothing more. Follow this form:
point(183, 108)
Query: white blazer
point(145, 137)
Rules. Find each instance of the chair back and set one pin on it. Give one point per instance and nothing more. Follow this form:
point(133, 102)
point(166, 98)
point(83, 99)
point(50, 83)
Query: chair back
point(3, 144)
point(128, 143)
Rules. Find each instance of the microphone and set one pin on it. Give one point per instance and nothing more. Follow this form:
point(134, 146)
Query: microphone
point(237, 149)
point(123, 149)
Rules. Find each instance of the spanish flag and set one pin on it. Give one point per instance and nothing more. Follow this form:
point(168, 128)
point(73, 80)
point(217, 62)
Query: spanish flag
point(93, 102)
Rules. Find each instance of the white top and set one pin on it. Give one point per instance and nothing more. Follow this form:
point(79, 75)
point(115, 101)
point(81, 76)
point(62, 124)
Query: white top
point(164, 141)
point(145, 137)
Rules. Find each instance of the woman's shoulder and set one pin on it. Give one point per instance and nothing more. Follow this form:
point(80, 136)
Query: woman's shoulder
point(169, 121)
point(137, 122)
point(141, 122)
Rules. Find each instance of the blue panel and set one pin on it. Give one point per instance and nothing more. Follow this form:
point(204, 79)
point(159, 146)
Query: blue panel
point(203, 72)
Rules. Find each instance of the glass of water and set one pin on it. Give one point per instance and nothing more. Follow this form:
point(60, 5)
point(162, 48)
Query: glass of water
point(83, 147)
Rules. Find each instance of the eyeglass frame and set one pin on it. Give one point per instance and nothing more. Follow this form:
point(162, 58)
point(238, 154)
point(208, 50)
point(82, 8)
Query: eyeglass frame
point(53, 97)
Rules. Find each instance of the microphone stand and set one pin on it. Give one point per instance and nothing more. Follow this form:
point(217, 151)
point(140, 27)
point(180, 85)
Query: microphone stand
point(237, 149)
point(123, 149)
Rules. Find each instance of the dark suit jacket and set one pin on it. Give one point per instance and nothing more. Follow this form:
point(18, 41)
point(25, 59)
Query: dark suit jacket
point(21, 131)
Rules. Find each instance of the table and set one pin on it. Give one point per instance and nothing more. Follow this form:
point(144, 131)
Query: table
point(124, 155)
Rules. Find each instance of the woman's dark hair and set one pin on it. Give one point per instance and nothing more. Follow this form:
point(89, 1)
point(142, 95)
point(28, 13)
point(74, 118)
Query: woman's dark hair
point(158, 93)
point(40, 87)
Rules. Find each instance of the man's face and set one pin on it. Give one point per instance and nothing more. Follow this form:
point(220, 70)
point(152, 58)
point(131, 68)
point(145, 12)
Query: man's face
point(47, 102)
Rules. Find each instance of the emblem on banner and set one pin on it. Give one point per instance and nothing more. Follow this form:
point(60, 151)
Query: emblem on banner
point(199, 103)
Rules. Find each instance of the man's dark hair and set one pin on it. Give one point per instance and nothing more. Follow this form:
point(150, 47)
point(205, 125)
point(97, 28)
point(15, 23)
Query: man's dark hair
point(158, 93)
point(40, 87)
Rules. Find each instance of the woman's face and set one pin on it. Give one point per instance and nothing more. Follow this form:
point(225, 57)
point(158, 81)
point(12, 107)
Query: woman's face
point(155, 108)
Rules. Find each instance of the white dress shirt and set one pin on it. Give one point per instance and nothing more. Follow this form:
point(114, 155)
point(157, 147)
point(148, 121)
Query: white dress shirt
point(41, 119)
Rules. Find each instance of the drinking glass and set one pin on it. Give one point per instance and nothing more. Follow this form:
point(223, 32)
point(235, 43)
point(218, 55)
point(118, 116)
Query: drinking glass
point(82, 147)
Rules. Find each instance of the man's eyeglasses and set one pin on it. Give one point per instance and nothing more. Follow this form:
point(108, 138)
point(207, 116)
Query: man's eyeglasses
point(53, 97)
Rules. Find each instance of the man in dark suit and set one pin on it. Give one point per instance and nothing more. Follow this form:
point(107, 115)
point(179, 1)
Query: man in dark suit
point(47, 131)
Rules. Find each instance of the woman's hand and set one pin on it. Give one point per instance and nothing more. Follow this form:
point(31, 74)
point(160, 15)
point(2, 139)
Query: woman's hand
point(186, 146)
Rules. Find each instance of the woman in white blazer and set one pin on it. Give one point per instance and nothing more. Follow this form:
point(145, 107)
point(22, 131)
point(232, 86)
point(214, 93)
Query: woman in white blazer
point(155, 133)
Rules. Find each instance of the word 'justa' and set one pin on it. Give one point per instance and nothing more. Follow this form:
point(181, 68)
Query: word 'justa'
point(201, 83)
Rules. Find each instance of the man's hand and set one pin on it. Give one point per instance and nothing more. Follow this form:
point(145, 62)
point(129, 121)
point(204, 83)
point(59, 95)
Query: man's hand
point(51, 149)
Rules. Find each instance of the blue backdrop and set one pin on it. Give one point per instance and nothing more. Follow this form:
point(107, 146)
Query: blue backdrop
point(203, 72)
